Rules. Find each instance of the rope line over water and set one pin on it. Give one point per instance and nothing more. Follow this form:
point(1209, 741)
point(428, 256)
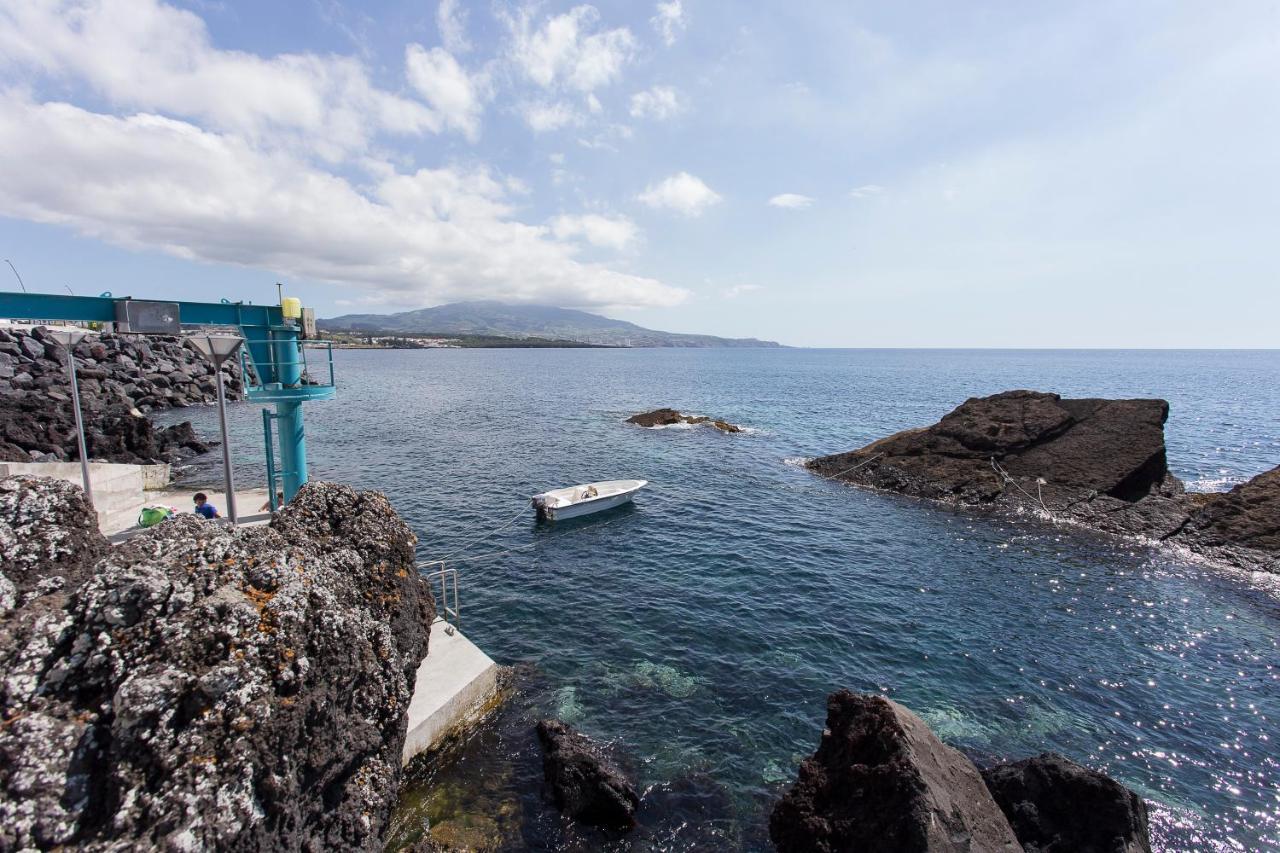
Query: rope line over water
point(480, 539)
point(856, 467)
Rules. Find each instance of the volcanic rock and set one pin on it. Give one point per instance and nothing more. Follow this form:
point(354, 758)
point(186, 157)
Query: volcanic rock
point(671, 417)
point(882, 781)
point(1108, 447)
point(1100, 463)
point(584, 783)
point(1058, 806)
point(207, 688)
point(1248, 515)
point(117, 374)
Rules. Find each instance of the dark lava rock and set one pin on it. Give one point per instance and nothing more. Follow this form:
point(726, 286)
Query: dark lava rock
point(1248, 515)
point(1058, 806)
point(207, 688)
point(120, 377)
point(1100, 463)
point(1108, 447)
point(584, 783)
point(882, 781)
point(670, 417)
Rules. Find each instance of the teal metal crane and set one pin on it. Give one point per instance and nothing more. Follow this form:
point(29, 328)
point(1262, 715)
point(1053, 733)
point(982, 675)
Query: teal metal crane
point(274, 358)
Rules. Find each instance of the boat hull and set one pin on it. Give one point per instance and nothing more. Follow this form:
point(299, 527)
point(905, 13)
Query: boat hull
point(587, 507)
point(573, 502)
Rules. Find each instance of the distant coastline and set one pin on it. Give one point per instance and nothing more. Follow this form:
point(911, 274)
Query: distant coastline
point(427, 340)
point(499, 321)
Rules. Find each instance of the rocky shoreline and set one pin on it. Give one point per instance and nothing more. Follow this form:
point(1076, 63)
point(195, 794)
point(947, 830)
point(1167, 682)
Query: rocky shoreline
point(121, 379)
point(1094, 462)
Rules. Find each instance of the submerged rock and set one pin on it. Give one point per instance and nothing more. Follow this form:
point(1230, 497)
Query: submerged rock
point(882, 781)
point(671, 417)
point(201, 687)
point(1058, 806)
point(584, 783)
point(1100, 463)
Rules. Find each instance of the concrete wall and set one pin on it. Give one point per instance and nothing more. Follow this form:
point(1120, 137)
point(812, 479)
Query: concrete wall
point(118, 490)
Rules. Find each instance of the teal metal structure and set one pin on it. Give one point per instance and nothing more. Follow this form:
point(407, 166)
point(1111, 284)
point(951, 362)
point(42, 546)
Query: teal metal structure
point(274, 360)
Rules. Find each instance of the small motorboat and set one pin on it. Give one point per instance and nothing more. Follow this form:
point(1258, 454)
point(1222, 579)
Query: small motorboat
point(574, 501)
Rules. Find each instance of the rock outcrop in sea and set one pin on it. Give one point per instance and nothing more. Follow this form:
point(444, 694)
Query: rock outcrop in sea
point(584, 783)
point(1096, 462)
point(1058, 806)
point(121, 379)
point(671, 417)
point(201, 687)
point(881, 781)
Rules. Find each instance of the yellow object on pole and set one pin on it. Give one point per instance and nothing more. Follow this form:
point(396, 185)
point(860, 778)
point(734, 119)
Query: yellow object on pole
point(291, 306)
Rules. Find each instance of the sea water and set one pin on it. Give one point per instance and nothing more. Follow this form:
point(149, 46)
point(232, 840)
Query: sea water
point(699, 632)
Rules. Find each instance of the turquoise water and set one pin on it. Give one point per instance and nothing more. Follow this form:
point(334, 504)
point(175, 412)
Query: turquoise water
point(701, 630)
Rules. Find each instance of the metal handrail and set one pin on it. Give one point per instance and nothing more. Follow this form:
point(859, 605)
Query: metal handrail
point(448, 579)
point(272, 365)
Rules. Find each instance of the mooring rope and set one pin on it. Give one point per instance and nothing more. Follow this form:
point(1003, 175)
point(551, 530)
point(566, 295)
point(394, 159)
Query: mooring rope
point(480, 539)
point(855, 467)
point(1038, 497)
point(536, 543)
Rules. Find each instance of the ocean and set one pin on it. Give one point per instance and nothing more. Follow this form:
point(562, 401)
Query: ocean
point(699, 631)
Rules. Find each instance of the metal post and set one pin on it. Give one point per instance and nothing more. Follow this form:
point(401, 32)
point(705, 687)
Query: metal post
point(293, 440)
point(75, 405)
point(293, 447)
point(228, 479)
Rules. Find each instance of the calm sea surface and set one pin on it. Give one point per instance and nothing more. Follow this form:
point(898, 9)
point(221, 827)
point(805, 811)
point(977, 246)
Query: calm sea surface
point(700, 631)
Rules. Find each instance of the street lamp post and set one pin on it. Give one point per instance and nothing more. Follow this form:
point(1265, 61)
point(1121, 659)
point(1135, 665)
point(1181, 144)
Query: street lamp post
point(217, 349)
point(69, 336)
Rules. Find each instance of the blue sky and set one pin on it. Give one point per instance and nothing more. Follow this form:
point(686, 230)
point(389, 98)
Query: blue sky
point(831, 174)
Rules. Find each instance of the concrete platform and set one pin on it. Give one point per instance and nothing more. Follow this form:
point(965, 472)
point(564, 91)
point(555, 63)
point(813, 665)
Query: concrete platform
point(249, 503)
point(119, 491)
point(456, 685)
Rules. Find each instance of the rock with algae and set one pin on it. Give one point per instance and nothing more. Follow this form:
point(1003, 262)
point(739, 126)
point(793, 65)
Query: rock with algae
point(584, 783)
point(207, 688)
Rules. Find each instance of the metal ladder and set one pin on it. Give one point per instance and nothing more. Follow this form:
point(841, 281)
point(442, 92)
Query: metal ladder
point(448, 580)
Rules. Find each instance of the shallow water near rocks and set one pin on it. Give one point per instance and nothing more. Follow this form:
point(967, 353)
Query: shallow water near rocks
point(701, 629)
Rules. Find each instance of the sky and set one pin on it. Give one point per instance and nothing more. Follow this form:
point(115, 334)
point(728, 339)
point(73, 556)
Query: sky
point(849, 174)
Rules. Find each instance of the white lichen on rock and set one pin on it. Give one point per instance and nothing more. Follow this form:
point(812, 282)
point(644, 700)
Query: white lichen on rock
point(207, 688)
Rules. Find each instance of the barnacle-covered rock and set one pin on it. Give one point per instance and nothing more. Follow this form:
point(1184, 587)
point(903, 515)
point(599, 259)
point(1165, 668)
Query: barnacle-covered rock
point(215, 688)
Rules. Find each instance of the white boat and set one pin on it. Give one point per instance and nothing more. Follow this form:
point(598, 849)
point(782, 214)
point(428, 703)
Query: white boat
point(574, 501)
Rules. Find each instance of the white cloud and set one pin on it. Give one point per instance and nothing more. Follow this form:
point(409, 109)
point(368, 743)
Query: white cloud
point(542, 116)
point(150, 182)
point(669, 21)
point(451, 22)
point(791, 201)
point(445, 84)
point(660, 102)
point(866, 191)
point(738, 290)
point(565, 52)
point(681, 192)
point(612, 233)
point(141, 54)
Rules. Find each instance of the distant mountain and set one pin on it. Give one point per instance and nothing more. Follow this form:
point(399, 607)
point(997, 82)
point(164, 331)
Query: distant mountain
point(526, 321)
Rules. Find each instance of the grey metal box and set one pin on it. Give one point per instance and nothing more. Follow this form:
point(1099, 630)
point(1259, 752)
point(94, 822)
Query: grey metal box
point(144, 317)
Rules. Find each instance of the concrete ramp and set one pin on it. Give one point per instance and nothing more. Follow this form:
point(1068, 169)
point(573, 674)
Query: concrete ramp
point(456, 684)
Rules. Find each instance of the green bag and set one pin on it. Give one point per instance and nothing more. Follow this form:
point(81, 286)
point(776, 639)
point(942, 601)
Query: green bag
point(152, 515)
